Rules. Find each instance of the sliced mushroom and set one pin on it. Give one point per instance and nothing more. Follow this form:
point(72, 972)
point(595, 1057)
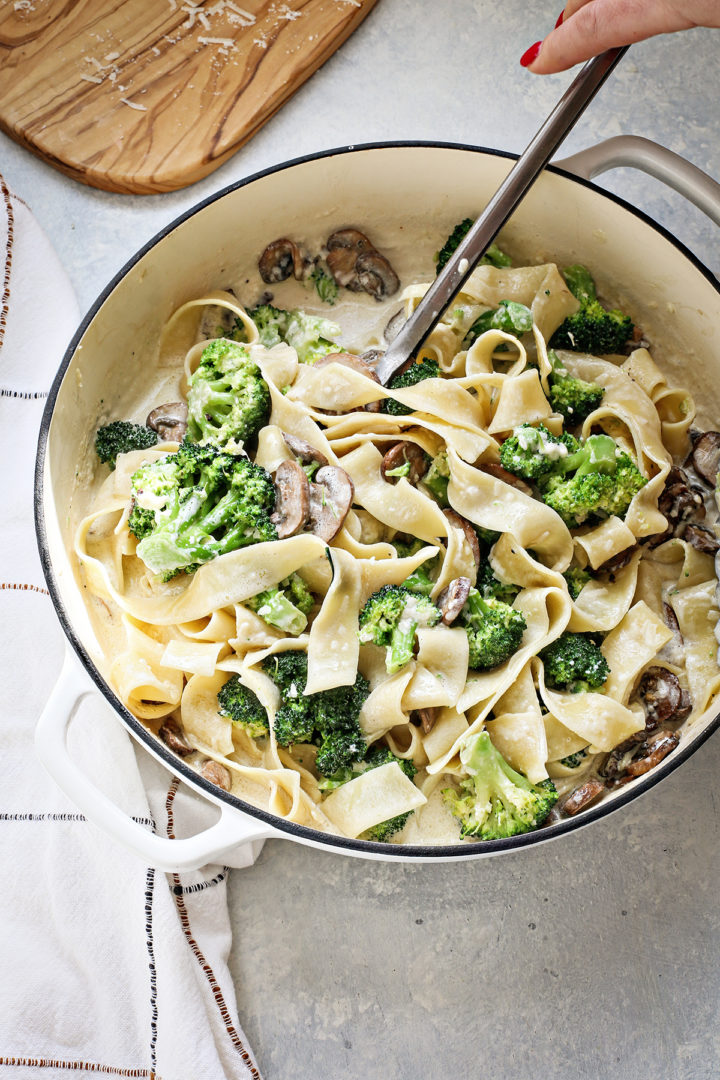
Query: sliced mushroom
point(671, 619)
point(661, 695)
point(331, 497)
point(170, 421)
point(375, 275)
point(172, 735)
point(617, 562)
point(348, 360)
point(371, 356)
point(292, 499)
point(394, 326)
point(280, 259)
point(493, 469)
point(679, 500)
point(581, 797)
point(401, 454)
point(617, 759)
point(659, 748)
point(302, 450)
point(470, 535)
point(452, 599)
point(428, 718)
point(216, 773)
point(705, 456)
point(702, 539)
point(344, 247)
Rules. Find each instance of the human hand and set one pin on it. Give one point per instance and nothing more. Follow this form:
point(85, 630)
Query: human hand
point(588, 27)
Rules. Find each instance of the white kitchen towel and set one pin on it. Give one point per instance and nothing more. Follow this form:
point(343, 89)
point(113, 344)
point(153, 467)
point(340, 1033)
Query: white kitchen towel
point(107, 965)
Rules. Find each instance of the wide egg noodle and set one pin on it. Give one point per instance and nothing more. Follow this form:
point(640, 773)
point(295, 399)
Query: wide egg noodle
point(441, 668)
point(517, 729)
point(521, 400)
point(182, 329)
point(333, 645)
point(675, 406)
point(630, 647)
point(374, 796)
point(604, 541)
point(696, 610)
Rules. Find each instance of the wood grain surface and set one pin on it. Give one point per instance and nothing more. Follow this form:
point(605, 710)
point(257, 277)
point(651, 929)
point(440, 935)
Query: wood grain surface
point(150, 95)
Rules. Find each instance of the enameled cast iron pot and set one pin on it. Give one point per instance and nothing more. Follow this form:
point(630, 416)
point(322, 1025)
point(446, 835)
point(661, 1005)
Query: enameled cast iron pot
point(564, 218)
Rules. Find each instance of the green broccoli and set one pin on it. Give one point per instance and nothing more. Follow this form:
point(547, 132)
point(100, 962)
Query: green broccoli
point(437, 478)
point(325, 285)
point(509, 316)
point(490, 586)
point(310, 335)
point(603, 483)
point(494, 630)
point(120, 437)
point(286, 606)
point(228, 399)
point(492, 257)
point(329, 719)
point(592, 329)
point(391, 618)
point(573, 662)
point(576, 579)
point(376, 756)
point(427, 369)
point(493, 801)
point(574, 398)
point(534, 452)
point(574, 761)
point(243, 707)
point(196, 504)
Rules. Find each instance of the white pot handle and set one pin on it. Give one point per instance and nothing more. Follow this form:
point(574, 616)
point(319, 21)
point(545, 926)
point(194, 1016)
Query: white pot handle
point(637, 153)
point(232, 829)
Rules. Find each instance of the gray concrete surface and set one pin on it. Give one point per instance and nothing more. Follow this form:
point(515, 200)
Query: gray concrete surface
point(595, 956)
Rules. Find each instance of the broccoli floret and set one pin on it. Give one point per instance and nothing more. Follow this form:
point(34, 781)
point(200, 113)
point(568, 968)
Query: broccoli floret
point(437, 478)
point(509, 316)
point(574, 663)
point(242, 706)
point(532, 452)
point(592, 329)
point(603, 483)
point(120, 437)
point(574, 398)
point(493, 801)
point(325, 285)
point(228, 399)
point(420, 581)
point(492, 257)
point(574, 761)
point(310, 335)
point(416, 373)
point(329, 719)
point(494, 630)
point(286, 606)
point(491, 587)
point(196, 504)
point(376, 756)
point(391, 618)
point(576, 579)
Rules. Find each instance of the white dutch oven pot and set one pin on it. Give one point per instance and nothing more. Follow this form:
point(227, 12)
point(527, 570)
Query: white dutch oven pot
point(564, 218)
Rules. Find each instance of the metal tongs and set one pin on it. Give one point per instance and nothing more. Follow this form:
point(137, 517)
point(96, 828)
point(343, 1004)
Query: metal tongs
point(510, 193)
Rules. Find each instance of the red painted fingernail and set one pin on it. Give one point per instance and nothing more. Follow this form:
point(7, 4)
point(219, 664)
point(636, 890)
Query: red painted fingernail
point(560, 18)
point(532, 54)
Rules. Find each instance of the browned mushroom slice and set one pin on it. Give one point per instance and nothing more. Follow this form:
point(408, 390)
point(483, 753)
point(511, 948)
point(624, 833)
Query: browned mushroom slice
point(281, 259)
point(371, 356)
point(582, 796)
point(394, 326)
point(661, 696)
point(493, 469)
point(172, 735)
point(452, 599)
point(618, 562)
point(331, 497)
point(292, 499)
point(400, 455)
point(170, 421)
point(344, 248)
point(705, 456)
point(216, 774)
point(618, 758)
point(428, 718)
point(303, 451)
point(679, 501)
point(470, 535)
point(376, 275)
point(702, 539)
point(348, 360)
point(659, 748)
point(671, 619)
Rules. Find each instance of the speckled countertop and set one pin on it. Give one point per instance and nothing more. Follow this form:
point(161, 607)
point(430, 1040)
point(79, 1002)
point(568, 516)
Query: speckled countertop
point(595, 956)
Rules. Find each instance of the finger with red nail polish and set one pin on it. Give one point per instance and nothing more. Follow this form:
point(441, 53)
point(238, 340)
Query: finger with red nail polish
point(531, 54)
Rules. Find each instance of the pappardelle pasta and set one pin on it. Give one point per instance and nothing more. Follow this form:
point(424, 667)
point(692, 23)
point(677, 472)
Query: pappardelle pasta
point(448, 610)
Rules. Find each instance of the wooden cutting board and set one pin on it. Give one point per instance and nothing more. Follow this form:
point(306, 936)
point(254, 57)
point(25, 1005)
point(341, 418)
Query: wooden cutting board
point(151, 95)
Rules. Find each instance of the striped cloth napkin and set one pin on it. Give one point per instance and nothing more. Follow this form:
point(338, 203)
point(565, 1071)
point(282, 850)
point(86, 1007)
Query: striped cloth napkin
point(108, 966)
